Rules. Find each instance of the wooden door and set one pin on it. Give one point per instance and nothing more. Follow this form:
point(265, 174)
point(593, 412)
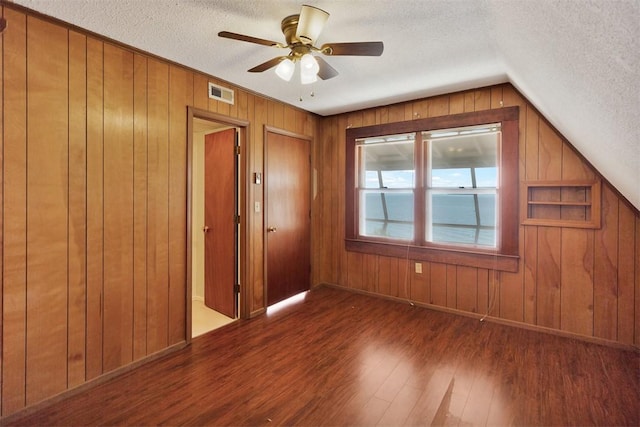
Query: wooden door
point(288, 219)
point(220, 222)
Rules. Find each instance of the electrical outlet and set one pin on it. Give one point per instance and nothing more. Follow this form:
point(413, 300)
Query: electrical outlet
point(419, 267)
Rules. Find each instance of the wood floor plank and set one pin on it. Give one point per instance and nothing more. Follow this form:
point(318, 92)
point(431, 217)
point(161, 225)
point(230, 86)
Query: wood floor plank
point(337, 358)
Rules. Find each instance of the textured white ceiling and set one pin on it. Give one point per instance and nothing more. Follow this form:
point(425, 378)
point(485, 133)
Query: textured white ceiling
point(578, 61)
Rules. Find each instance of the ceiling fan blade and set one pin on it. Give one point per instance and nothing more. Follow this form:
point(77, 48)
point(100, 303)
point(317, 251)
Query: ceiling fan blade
point(310, 23)
point(326, 71)
point(242, 37)
point(266, 65)
point(356, 48)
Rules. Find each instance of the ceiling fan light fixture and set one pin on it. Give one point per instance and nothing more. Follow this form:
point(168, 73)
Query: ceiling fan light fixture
point(285, 69)
point(310, 24)
point(308, 69)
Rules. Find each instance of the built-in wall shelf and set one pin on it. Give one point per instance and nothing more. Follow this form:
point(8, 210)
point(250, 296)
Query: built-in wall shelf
point(562, 203)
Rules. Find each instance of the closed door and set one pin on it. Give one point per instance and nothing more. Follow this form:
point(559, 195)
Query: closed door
point(288, 220)
point(220, 222)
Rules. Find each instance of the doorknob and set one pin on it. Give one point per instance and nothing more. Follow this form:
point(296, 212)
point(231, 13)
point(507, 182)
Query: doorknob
point(205, 229)
point(271, 230)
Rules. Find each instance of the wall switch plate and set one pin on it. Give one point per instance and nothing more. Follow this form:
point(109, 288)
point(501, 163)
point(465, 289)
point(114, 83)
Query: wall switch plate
point(419, 267)
point(257, 178)
point(256, 207)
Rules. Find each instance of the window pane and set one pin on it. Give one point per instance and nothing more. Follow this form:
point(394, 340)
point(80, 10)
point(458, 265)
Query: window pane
point(386, 214)
point(462, 158)
point(387, 164)
point(462, 218)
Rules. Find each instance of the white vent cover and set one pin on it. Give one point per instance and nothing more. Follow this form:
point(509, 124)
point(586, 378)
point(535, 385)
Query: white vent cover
point(220, 93)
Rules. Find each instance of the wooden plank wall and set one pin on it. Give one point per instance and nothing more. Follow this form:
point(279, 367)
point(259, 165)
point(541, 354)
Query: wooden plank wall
point(94, 193)
point(579, 281)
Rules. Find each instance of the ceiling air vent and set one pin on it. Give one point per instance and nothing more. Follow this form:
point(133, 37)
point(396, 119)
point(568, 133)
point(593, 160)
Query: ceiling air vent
point(220, 93)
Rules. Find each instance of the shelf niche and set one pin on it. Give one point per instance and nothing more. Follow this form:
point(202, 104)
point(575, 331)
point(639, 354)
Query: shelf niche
point(562, 203)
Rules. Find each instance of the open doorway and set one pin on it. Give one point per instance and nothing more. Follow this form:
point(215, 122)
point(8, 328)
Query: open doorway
point(214, 169)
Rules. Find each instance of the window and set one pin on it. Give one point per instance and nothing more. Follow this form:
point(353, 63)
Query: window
point(440, 188)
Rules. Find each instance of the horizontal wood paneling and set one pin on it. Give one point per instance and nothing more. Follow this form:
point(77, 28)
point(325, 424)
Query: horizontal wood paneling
point(94, 203)
point(578, 281)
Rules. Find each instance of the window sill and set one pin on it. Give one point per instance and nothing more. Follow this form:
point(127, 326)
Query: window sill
point(469, 258)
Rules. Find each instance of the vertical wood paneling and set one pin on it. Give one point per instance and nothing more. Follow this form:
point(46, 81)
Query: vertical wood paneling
point(200, 91)
point(548, 276)
point(47, 192)
point(139, 206)
point(542, 292)
point(181, 95)
point(95, 203)
point(576, 272)
point(14, 273)
point(355, 262)
point(439, 284)
point(420, 284)
point(76, 321)
point(384, 275)
point(336, 199)
point(530, 258)
point(370, 273)
point(93, 252)
point(452, 285)
point(260, 119)
point(467, 289)
point(1, 206)
point(512, 284)
point(158, 206)
point(456, 103)
point(626, 272)
point(483, 290)
point(605, 277)
point(118, 208)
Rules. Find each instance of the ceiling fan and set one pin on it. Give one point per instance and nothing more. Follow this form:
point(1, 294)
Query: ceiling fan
point(301, 32)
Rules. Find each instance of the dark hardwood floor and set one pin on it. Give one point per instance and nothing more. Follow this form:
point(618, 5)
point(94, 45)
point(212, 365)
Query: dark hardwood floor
point(340, 358)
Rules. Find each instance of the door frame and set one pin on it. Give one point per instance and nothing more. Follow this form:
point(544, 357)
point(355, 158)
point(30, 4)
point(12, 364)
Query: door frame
point(270, 129)
point(243, 188)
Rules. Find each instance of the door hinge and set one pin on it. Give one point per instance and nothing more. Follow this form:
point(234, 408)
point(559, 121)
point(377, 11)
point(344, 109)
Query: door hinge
point(237, 219)
point(236, 288)
point(236, 149)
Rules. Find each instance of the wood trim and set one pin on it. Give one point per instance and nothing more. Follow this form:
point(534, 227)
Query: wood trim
point(436, 254)
point(244, 183)
point(486, 318)
point(594, 204)
point(508, 191)
point(94, 382)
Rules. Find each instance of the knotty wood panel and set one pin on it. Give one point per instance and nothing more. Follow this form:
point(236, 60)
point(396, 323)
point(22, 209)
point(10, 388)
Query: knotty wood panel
point(95, 204)
point(77, 250)
point(47, 209)
point(118, 208)
point(14, 273)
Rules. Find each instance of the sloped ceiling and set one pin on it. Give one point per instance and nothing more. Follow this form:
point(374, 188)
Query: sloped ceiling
point(577, 61)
